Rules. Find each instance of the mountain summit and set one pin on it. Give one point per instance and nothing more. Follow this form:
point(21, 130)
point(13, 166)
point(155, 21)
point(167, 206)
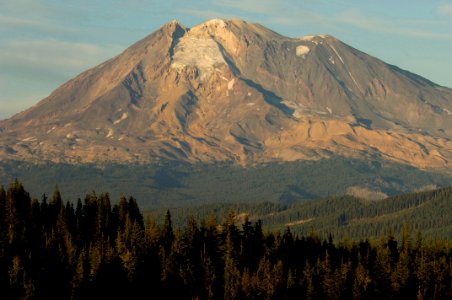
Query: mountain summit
point(229, 90)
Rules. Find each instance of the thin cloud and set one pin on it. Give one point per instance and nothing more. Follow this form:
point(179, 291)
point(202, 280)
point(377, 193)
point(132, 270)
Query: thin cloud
point(302, 17)
point(205, 14)
point(20, 103)
point(42, 65)
point(267, 11)
point(9, 23)
point(359, 20)
point(253, 6)
point(21, 6)
point(13, 101)
point(445, 10)
point(51, 53)
point(262, 11)
point(17, 22)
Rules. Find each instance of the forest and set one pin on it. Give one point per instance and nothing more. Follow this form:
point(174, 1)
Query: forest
point(175, 184)
point(94, 249)
point(340, 216)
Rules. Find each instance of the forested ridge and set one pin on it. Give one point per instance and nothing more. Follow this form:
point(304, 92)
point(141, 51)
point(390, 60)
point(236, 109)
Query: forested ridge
point(170, 183)
point(341, 216)
point(93, 249)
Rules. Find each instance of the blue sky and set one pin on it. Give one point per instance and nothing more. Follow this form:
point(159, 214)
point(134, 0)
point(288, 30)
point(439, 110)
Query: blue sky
point(44, 43)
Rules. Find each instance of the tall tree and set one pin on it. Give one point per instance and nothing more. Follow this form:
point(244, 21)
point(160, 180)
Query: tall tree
point(18, 208)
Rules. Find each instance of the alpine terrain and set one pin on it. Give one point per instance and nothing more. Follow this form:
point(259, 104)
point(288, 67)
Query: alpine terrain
point(236, 92)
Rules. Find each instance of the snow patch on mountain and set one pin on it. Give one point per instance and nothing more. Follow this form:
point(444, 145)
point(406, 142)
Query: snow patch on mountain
point(51, 129)
point(123, 117)
point(231, 84)
point(312, 37)
point(216, 23)
point(307, 37)
point(315, 39)
point(201, 53)
point(353, 78)
point(337, 53)
point(29, 139)
point(302, 51)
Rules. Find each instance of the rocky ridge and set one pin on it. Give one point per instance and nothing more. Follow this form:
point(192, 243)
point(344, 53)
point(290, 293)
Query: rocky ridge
point(229, 90)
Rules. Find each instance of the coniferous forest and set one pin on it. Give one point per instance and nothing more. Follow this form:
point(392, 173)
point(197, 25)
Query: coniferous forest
point(93, 249)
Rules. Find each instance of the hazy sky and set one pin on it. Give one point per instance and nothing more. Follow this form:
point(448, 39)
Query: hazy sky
point(44, 43)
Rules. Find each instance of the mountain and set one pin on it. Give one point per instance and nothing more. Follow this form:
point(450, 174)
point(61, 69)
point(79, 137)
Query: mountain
point(229, 90)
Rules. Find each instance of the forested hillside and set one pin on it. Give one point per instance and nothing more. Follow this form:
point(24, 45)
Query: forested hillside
point(98, 250)
point(172, 184)
point(342, 217)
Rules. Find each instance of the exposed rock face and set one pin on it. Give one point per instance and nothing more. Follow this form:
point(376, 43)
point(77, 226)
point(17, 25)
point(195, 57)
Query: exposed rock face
point(231, 90)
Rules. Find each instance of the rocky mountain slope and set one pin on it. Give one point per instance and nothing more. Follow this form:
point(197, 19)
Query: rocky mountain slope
point(228, 90)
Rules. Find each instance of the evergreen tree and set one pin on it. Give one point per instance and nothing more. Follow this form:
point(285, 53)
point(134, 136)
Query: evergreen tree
point(97, 251)
point(232, 278)
point(361, 282)
point(167, 233)
point(307, 281)
point(3, 223)
point(18, 208)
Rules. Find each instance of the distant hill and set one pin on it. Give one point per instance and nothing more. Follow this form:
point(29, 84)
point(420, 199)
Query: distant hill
point(429, 212)
point(174, 184)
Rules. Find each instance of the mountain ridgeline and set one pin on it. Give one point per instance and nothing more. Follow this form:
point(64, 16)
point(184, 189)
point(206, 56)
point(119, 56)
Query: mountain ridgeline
point(229, 111)
point(232, 91)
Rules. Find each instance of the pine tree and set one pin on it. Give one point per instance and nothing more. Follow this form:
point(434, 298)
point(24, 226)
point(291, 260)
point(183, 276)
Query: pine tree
point(307, 282)
point(191, 272)
point(278, 282)
point(152, 234)
point(291, 284)
point(401, 274)
point(232, 278)
point(95, 260)
point(3, 223)
point(78, 278)
point(55, 207)
point(361, 282)
point(210, 280)
point(125, 249)
point(123, 211)
point(167, 233)
point(328, 279)
point(170, 273)
point(423, 275)
point(381, 271)
point(18, 214)
point(231, 274)
point(16, 274)
point(134, 212)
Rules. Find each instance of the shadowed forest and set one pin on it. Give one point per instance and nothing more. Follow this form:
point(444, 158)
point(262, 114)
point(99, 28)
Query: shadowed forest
point(93, 249)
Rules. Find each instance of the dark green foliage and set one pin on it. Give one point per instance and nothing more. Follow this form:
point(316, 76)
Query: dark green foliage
point(174, 184)
point(102, 251)
point(342, 217)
